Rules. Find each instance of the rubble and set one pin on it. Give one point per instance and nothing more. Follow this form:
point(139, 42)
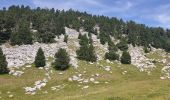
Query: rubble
point(16, 73)
point(80, 79)
point(139, 60)
point(166, 72)
point(85, 87)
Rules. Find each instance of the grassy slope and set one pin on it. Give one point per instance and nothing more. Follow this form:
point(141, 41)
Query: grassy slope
point(134, 85)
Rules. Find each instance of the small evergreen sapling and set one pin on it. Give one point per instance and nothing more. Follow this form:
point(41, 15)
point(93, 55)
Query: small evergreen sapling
point(40, 58)
point(3, 63)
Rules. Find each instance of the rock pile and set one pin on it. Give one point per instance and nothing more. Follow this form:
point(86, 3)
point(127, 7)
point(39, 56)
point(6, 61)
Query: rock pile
point(138, 59)
point(100, 49)
point(25, 54)
point(82, 80)
point(40, 83)
point(37, 86)
point(16, 73)
point(166, 72)
point(73, 43)
point(20, 55)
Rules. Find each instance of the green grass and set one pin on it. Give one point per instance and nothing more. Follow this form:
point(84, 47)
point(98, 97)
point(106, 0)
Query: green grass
point(134, 85)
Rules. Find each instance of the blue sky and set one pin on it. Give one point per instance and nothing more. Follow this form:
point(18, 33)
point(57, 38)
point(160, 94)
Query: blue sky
point(149, 12)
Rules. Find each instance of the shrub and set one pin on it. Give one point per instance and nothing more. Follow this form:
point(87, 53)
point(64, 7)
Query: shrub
point(126, 58)
point(65, 38)
point(111, 55)
point(122, 46)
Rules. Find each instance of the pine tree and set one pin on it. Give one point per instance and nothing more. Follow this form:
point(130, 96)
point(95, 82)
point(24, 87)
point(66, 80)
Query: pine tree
point(86, 51)
point(40, 58)
point(61, 60)
point(3, 63)
point(92, 57)
point(111, 55)
point(126, 58)
point(122, 46)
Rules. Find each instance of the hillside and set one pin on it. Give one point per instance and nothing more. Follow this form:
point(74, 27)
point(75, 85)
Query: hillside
point(95, 46)
point(101, 80)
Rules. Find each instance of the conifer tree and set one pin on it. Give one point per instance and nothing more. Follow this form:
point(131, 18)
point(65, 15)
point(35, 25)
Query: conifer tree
point(3, 63)
point(122, 46)
point(126, 58)
point(40, 58)
point(111, 55)
point(86, 51)
point(92, 57)
point(61, 60)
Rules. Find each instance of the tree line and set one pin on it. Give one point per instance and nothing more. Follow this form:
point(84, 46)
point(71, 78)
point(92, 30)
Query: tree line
point(17, 25)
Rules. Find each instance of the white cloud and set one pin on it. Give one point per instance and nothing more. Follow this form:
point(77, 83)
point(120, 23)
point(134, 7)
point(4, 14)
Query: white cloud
point(119, 6)
point(162, 15)
point(94, 6)
point(127, 9)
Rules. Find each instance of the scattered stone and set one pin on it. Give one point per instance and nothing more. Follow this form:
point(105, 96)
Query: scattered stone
point(92, 79)
point(40, 68)
point(8, 92)
point(16, 73)
point(162, 78)
point(108, 61)
point(107, 68)
point(28, 66)
point(85, 81)
point(96, 82)
point(166, 71)
point(60, 73)
point(139, 59)
point(106, 82)
point(85, 87)
point(70, 79)
point(97, 75)
point(91, 63)
point(10, 96)
point(124, 72)
point(75, 78)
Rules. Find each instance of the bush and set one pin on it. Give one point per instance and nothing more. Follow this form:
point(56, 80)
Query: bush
point(112, 46)
point(111, 56)
point(65, 38)
point(3, 63)
point(40, 58)
point(146, 50)
point(79, 37)
point(122, 46)
point(126, 58)
point(61, 60)
point(167, 46)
